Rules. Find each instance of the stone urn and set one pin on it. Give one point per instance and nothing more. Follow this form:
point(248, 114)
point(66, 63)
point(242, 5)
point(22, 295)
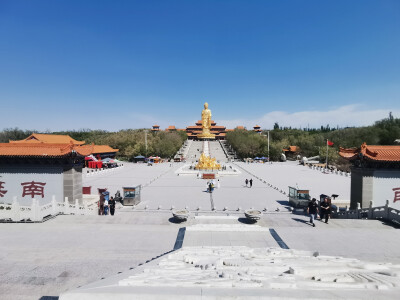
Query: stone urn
point(253, 214)
point(181, 214)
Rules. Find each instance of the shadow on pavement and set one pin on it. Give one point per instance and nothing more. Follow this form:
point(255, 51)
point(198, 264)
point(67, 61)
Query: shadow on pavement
point(48, 298)
point(283, 202)
point(246, 221)
point(391, 224)
point(302, 221)
point(175, 221)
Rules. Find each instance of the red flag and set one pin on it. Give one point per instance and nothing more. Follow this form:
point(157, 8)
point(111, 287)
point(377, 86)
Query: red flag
point(329, 143)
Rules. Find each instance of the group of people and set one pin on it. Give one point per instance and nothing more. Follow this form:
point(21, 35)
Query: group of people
point(211, 184)
point(249, 183)
point(313, 210)
point(106, 204)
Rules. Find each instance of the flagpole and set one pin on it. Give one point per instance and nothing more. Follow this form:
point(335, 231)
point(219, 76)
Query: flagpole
point(327, 153)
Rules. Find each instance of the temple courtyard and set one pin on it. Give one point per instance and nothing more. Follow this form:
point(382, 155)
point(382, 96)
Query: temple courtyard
point(44, 260)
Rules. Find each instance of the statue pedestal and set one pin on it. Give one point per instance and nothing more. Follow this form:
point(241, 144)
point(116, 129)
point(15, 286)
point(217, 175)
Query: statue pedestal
point(205, 136)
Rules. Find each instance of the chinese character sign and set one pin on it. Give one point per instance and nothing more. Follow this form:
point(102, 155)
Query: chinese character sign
point(2, 191)
point(33, 188)
point(396, 194)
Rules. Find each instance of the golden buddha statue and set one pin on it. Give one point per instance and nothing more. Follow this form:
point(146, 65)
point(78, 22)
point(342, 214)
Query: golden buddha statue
point(207, 163)
point(206, 123)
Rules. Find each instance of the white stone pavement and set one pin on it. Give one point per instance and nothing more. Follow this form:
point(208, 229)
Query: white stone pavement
point(46, 259)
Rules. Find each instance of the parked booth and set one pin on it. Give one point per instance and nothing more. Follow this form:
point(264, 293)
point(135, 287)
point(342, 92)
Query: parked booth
point(131, 195)
point(299, 198)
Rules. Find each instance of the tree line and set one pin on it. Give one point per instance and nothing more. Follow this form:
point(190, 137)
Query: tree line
point(130, 142)
point(312, 142)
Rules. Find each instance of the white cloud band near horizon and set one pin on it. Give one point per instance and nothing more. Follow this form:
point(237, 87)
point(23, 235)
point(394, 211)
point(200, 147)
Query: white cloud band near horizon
point(344, 116)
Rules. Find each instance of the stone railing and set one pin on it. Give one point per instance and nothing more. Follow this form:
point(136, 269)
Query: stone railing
point(38, 213)
point(379, 212)
point(93, 172)
point(329, 171)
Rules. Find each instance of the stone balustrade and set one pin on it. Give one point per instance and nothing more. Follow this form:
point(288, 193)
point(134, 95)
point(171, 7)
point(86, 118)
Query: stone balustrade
point(379, 212)
point(38, 213)
point(93, 172)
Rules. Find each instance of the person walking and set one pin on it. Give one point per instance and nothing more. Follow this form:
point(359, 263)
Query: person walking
point(251, 182)
point(312, 210)
point(326, 209)
point(246, 181)
point(111, 203)
point(105, 207)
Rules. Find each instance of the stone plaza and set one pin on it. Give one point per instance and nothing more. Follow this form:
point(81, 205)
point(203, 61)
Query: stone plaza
point(44, 260)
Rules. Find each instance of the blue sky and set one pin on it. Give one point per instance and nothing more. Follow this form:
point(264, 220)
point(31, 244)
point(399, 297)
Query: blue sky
point(130, 64)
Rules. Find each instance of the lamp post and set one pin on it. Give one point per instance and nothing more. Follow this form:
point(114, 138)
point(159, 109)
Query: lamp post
point(145, 140)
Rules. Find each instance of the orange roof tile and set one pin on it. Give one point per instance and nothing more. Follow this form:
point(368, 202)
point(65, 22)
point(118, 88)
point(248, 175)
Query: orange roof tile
point(291, 149)
point(374, 153)
point(103, 149)
point(240, 127)
point(156, 125)
point(229, 130)
point(43, 149)
point(49, 138)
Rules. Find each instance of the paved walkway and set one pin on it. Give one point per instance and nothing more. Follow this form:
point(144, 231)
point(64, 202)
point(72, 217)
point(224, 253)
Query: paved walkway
point(38, 260)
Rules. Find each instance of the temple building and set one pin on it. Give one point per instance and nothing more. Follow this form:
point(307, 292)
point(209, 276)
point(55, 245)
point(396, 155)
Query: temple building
point(375, 175)
point(291, 151)
point(45, 165)
point(104, 151)
point(257, 129)
point(49, 138)
point(155, 128)
point(194, 131)
point(40, 171)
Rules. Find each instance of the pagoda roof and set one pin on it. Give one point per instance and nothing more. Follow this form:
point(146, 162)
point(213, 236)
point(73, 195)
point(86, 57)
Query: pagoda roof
point(43, 149)
point(156, 125)
point(372, 153)
point(103, 149)
point(291, 149)
point(49, 138)
point(240, 127)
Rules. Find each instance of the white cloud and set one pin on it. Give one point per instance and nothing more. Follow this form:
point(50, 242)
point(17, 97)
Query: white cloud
point(349, 115)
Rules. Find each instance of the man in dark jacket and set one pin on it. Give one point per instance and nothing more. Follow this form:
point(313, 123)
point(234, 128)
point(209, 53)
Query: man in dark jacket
point(111, 203)
point(312, 210)
point(326, 209)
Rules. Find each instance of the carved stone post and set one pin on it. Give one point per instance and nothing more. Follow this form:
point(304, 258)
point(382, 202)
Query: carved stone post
point(35, 211)
point(15, 210)
point(54, 207)
point(77, 212)
point(387, 209)
point(66, 206)
point(370, 210)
